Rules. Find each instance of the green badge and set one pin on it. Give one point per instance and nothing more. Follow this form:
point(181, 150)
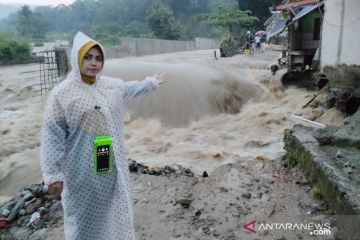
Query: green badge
point(103, 154)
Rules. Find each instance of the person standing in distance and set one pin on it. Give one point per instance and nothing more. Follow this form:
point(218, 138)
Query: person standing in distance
point(82, 146)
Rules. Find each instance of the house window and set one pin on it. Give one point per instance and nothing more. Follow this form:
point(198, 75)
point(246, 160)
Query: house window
point(317, 28)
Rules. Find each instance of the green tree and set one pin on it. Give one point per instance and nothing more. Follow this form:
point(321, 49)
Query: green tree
point(120, 18)
point(137, 29)
point(22, 20)
point(184, 11)
point(83, 14)
point(58, 18)
point(259, 8)
point(228, 16)
point(13, 49)
point(163, 22)
point(39, 27)
point(29, 24)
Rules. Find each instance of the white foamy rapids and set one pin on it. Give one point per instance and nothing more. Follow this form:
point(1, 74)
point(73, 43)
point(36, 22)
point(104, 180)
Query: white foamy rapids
point(194, 90)
point(210, 113)
point(20, 125)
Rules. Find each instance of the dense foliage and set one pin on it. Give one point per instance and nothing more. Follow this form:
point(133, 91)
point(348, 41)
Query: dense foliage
point(29, 24)
point(228, 16)
point(13, 49)
point(163, 22)
point(167, 19)
point(258, 8)
point(106, 20)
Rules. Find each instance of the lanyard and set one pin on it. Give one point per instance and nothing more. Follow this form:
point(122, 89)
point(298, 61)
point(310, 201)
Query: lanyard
point(102, 142)
point(98, 115)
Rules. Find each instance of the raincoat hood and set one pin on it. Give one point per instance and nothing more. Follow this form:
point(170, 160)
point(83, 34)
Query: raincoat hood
point(80, 40)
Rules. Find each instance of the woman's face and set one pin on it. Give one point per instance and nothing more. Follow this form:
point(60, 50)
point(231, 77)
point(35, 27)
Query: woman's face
point(92, 63)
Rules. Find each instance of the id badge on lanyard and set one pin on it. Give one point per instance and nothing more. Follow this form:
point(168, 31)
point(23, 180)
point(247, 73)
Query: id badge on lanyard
point(102, 147)
point(103, 155)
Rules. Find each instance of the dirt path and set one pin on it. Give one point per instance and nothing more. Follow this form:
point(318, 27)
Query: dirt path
point(232, 196)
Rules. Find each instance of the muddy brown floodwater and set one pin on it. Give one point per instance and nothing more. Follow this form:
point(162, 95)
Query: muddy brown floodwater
point(226, 117)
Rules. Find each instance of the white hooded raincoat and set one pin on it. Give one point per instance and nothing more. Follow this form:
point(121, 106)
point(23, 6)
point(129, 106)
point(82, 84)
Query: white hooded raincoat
point(95, 206)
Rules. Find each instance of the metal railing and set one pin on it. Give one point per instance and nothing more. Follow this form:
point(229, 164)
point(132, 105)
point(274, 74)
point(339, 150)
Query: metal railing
point(53, 66)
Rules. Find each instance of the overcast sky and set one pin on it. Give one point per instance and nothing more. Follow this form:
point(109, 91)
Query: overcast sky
point(38, 2)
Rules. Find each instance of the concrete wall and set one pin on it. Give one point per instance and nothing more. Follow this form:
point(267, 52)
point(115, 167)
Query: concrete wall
point(341, 33)
point(206, 43)
point(144, 46)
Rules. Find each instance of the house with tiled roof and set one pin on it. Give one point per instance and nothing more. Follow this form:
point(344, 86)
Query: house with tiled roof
point(320, 32)
point(323, 43)
point(294, 3)
point(302, 21)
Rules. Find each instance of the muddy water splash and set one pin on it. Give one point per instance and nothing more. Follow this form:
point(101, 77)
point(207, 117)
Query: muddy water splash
point(198, 118)
point(186, 121)
point(194, 91)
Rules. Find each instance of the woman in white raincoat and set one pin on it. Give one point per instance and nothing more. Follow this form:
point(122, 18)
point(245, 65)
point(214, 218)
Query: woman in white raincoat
point(94, 188)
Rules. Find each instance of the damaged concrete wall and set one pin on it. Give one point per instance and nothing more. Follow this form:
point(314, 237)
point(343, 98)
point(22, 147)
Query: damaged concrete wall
point(333, 169)
point(345, 87)
point(345, 77)
point(341, 33)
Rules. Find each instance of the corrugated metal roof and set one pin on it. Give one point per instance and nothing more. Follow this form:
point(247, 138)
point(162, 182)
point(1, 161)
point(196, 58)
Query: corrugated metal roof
point(296, 10)
point(271, 19)
point(307, 9)
point(277, 28)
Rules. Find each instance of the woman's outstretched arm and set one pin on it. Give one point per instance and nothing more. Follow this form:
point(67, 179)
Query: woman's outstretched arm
point(137, 89)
